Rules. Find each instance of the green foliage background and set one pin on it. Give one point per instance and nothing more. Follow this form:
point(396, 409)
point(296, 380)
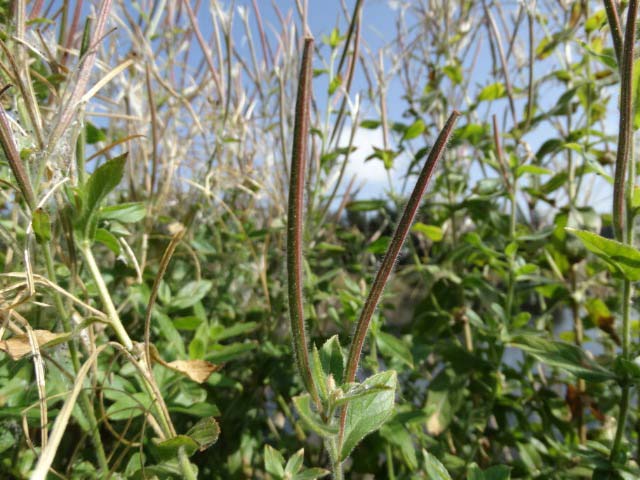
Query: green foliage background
point(502, 320)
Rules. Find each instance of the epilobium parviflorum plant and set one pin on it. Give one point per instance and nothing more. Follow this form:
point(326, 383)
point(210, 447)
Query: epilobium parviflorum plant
point(337, 407)
point(145, 163)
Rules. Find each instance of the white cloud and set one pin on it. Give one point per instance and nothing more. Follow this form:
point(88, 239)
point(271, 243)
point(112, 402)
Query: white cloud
point(371, 174)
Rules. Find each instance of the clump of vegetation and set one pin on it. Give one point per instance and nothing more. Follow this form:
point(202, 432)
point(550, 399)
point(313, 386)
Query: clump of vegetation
point(187, 253)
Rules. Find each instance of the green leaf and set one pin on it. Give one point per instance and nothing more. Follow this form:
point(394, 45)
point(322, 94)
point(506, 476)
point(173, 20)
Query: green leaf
point(131, 212)
point(596, 21)
point(554, 183)
point(311, 418)
point(474, 133)
point(334, 84)
point(220, 332)
point(492, 92)
point(380, 245)
point(94, 134)
point(394, 348)
point(368, 414)
point(169, 448)
point(370, 124)
point(442, 400)
point(333, 359)
point(432, 232)
point(317, 372)
point(41, 224)
point(101, 182)
point(625, 259)
point(415, 130)
point(169, 332)
point(190, 294)
point(129, 406)
point(497, 472)
point(311, 474)
point(366, 205)
point(396, 433)
point(565, 356)
point(454, 72)
point(387, 156)
point(205, 432)
point(294, 464)
point(435, 470)
point(167, 470)
point(108, 239)
point(475, 473)
point(273, 461)
point(353, 391)
point(204, 409)
point(532, 170)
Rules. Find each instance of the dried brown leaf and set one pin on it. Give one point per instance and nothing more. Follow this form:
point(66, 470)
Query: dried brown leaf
point(19, 346)
point(197, 370)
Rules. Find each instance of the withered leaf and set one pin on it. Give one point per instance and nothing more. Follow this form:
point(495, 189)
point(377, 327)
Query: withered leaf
point(19, 346)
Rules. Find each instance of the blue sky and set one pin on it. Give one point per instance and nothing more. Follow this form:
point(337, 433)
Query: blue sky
point(378, 29)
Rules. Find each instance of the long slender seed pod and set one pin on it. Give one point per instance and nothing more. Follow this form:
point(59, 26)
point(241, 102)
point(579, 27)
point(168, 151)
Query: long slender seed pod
point(614, 25)
point(625, 129)
point(294, 223)
point(397, 241)
point(399, 236)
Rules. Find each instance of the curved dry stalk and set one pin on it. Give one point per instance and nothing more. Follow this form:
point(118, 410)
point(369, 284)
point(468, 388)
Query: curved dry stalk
point(10, 150)
point(164, 263)
point(49, 452)
point(68, 111)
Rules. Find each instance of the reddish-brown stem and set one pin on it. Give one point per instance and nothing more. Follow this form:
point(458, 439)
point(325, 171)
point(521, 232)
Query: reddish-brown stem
point(625, 130)
point(614, 24)
point(397, 241)
point(399, 236)
point(295, 224)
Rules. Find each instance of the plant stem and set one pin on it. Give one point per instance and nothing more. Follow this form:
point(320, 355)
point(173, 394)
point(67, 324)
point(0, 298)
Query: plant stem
point(295, 224)
point(125, 340)
point(625, 129)
point(399, 236)
point(185, 465)
point(626, 391)
point(390, 472)
point(614, 25)
point(397, 240)
point(511, 188)
point(85, 402)
point(625, 168)
point(114, 318)
point(334, 455)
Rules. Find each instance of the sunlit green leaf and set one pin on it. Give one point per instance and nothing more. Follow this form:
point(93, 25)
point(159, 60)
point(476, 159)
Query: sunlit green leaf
point(367, 414)
point(624, 258)
point(435, 470)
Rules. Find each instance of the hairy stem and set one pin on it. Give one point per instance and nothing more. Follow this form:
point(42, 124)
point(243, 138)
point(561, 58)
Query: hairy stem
point(625, 129)
point(397, 240)
point(295, 224)
point(625, 169)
